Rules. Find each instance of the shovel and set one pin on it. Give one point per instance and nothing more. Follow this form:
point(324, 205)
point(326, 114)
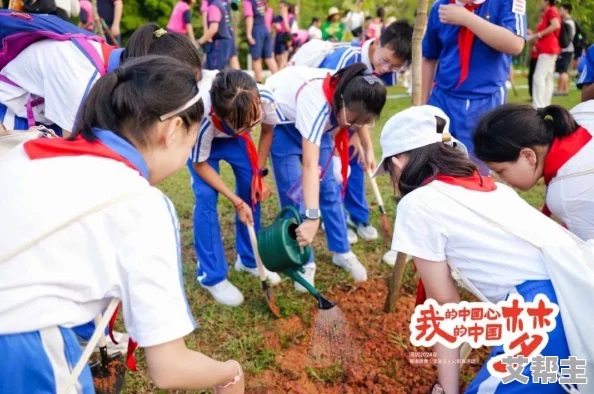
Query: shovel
point(109, 372)
point(268, 294)
point(384, 220)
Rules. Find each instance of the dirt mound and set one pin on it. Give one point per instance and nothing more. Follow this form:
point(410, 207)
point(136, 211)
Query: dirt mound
point(383, 360)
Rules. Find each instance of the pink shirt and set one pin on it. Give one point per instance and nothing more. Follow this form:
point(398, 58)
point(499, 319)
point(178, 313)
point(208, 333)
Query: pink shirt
point(203, 6)
point(176, 21)
point(268, 16)
point(248, 10)
point(88, 8)
point(213, 14)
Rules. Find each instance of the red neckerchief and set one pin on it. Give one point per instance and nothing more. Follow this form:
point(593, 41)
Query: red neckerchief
point(476, 183)
point(46, 148)
point(561, 151)
point(341, 140)
point(465, 40)
point(252, 153)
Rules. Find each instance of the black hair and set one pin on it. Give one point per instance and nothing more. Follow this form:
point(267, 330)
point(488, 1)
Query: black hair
point(147, 40)
point(131, 99)
point(381, 13)
point(568, 7)
point(284, 2)
point(291, 8)
point(505, 131)
point(398, 38)
point(425, 163)
point(359, 89)
point(368, 18)
point(552, 2)
point(235, 98)
point(314, 20)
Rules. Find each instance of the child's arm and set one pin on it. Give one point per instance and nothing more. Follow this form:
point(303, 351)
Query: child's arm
point(497, 37)
point(117, 17)
point(440, 286)
point(311, 190)
point(428, 75)
point(187, 16)
point(173, 366)
point(214, 16)
point(588, 92)
point(248, 13)
point(264, 145)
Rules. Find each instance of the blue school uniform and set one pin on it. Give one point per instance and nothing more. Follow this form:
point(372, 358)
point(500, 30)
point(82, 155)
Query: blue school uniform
point(355, 201)
point(220, 49)
point(484, 87)
point(587, 75)
point(213, 146)
point(262, 49)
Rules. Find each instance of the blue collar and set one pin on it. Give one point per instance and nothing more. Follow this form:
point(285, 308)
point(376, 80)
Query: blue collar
point(123, 148)
point(114, 59)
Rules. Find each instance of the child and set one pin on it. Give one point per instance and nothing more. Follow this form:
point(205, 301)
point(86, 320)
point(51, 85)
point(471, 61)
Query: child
point(319, 103)
point(86, 16)
point(111, 12)
point(217, 39)
point(437, 230)
point(258, 36)
point(137, 128)
point(314, 29)
point(473, 45)
point(282, 23)
point(586, 80)
point(333, 29)
point(58, 89)
point(234, 106)
point(384, 57)
point(523, 145)
point(181, 19)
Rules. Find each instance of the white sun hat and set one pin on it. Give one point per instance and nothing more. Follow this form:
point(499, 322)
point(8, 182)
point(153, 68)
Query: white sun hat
point(414, 128)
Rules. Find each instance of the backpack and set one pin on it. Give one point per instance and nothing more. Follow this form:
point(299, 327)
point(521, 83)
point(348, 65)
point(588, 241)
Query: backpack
point(579, 39)
point(565, 35)
point(19, 30)
point(39, 6)
point(313, 53)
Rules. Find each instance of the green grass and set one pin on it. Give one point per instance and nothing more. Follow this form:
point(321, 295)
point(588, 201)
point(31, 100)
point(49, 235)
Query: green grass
point(238, 333)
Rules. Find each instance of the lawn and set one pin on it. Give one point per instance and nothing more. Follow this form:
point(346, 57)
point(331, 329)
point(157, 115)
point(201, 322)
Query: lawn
point(263, 344)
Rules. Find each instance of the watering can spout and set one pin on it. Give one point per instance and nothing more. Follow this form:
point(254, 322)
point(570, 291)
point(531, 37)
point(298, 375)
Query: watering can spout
point(293, 274)
point(324, 303)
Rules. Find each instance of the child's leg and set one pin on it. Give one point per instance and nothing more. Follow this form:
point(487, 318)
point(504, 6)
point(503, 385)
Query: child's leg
point(41, 362)
point(542, 78)
point(212, 266)
point(355, 201)
point(267, 53)
point(331, 202)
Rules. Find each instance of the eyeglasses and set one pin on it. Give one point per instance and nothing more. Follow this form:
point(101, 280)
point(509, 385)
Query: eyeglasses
point(248, 128)
point(354, 122)
point(393, 68)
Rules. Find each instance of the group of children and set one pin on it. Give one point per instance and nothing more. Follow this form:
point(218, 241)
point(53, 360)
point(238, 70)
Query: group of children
point(132, 117)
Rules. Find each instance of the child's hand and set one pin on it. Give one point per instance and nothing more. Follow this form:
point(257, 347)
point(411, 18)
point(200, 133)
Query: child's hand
point(244, 213)
point(452, 14)
point(251, 40)
point(307, 231)
point(266, 191)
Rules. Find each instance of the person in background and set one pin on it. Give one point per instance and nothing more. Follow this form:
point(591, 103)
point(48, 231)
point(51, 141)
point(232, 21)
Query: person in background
point(354, 21)
point(217, 39)
point(233, 59)
point(67, 9)
point(282, 23)
point(258, 36)
point(314, 29)
point(86, 16)
point(564, 59)
point(548, 48)
point(586, 80)
point(532, 65)
point(377, 24)
point(268, 17)
point(111, 12)
point(369, 31)
point(333, 29)
point(181, 19)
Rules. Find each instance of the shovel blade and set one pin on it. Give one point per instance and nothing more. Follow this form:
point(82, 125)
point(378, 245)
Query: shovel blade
point(270, 299)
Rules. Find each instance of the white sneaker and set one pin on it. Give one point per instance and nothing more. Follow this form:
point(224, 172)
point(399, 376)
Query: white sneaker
point(225, 293)
point(351, 236)
point(390, 257)
point(365, 231)
point(272, 277)
point(308, 275)
point(349, 262)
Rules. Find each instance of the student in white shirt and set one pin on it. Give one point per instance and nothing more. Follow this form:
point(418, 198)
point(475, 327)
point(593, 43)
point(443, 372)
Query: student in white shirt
point(59, 86)
point(233, 106)
point(437, 230)
point(322, 103)
point(314, 31)
point(136, 128)
point(522, 145)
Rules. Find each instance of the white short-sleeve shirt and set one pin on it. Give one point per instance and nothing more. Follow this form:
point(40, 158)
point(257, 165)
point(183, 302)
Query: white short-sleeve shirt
point(57, 71)
point(129, 250)
point(271, 115)
point(433, 227)
point(572, 199)
point(298, 91)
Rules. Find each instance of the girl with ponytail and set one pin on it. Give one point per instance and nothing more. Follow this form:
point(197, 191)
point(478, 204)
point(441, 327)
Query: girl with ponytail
point(321, 106)
point(110, 233)
point(523, 145)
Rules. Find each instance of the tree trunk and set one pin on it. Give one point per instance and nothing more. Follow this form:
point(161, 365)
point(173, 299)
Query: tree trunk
point(417, 39)
point(97, 19)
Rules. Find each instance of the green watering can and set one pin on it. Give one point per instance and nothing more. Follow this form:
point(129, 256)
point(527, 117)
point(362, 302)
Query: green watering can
point(280, 252)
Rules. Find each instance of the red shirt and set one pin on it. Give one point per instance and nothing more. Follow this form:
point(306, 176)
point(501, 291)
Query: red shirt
point(549, 44)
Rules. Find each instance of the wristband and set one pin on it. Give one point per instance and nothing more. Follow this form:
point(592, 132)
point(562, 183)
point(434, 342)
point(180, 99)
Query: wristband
point(236, 378)
point(238, 205)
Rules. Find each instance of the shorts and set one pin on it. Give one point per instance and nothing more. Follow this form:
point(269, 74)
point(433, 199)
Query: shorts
point(218, 53)
point(263, 47)
point(280, 43)
point(563, 62)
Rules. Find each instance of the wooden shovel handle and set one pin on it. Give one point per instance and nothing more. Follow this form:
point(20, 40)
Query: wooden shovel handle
point(254, 241)
point(376, 192)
